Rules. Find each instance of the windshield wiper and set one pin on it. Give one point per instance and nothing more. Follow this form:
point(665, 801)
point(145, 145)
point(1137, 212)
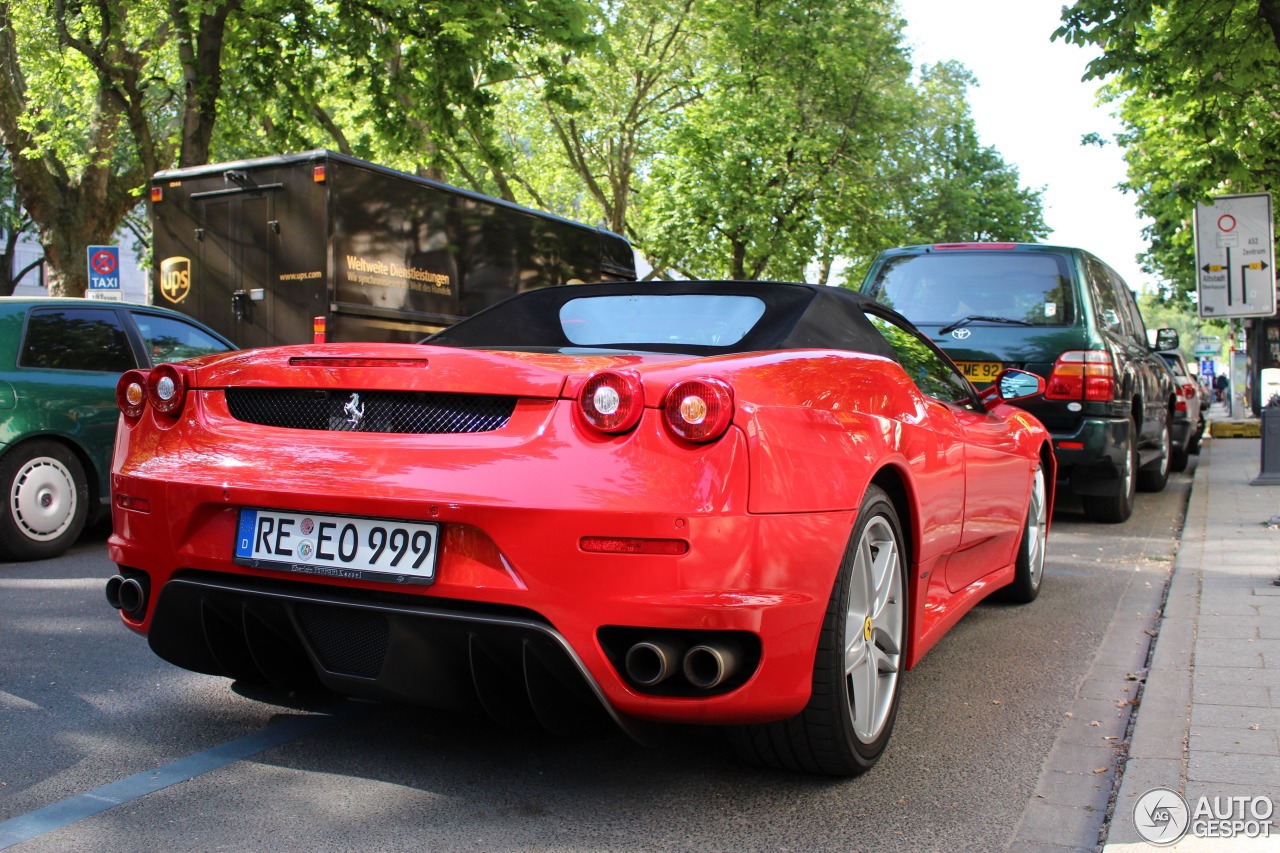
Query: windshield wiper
point(970, 318)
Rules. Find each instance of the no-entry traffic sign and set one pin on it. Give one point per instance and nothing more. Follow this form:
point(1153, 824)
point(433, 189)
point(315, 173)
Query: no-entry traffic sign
point(104, 273)
point(1235, 256)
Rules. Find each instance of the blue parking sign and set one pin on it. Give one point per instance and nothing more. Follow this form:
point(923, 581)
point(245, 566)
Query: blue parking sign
point(104, 268)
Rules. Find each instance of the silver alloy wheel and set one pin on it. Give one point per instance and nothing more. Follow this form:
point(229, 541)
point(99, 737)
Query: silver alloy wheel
point(874, 627)
point(43, 499)
point(1127, 475)
point(1166, 441)
point(1037, 534)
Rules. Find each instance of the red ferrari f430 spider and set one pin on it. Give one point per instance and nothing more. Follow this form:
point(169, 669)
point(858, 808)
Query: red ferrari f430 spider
point(742, 504)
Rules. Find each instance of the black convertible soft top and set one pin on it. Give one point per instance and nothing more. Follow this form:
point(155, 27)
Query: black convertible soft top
point(795, 316)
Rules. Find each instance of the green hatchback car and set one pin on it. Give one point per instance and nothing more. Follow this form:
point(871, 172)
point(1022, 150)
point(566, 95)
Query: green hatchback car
point(59, 362)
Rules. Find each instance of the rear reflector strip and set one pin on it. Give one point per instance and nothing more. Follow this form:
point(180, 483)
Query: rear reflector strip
point(615, 545)
point(135, 504)
point(319, 361)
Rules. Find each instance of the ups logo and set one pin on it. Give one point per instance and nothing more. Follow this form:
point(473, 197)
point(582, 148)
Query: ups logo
point(175, 278)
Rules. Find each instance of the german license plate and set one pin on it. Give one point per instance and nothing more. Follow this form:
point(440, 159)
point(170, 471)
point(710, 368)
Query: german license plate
point(980, 371)
point(338, 546)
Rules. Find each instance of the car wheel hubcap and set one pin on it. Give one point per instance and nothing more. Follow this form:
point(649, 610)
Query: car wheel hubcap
point(1127, 477)
point(874, 629)
point(1037, 528)
point(43, 499)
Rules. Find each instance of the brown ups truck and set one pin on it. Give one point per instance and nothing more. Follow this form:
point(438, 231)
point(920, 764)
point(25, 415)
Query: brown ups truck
point(287, 249)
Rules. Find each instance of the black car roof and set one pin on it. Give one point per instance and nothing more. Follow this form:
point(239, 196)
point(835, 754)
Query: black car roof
point(796, 316)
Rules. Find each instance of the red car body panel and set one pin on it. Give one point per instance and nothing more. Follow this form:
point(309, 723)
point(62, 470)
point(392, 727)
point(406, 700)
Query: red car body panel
point(766, 509)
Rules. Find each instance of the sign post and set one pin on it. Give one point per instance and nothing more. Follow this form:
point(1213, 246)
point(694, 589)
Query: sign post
point(1235, 256)
point(104, 274)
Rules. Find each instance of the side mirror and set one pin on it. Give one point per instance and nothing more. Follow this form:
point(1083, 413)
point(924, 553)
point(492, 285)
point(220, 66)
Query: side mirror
point(1167, 339)
point(1012, 385)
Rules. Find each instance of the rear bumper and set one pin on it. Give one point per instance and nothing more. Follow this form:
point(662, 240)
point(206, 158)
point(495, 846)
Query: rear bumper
point(534, 641)
point(520, 619)
point(1091, 458)
point(503, 661)
point(1182, 432)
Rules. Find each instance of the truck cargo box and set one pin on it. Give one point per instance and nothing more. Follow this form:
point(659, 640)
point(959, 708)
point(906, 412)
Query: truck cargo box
point(268, 250)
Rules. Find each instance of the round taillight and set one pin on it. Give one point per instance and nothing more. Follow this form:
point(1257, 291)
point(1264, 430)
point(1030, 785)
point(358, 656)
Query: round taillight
point(698, 409)
point(612, 400)
point(167, 388)
point(131, 393)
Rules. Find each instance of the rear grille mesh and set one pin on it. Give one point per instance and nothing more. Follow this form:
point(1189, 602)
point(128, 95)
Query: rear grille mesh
point(370, 411)
point(348, 642)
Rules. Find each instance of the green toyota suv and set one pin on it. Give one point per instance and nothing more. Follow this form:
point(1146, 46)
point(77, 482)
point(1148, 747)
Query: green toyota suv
point(59, 363)
point(1065, 315)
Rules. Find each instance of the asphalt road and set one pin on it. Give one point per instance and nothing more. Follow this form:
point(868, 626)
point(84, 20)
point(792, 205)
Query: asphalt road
point(105, 747)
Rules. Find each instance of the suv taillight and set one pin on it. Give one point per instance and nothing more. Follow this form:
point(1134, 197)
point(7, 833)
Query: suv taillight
point(1186, 391)
point(1082, 375)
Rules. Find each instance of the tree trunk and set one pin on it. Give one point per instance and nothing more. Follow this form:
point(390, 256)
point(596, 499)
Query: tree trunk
point(71, 209)
point(738, 260)
point(66, 251)
point(200, 44)
point(9, 277)
point(1269, 12)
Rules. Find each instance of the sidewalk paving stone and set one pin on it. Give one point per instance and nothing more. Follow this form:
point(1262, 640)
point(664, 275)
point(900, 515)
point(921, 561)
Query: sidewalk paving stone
point(1208, 721)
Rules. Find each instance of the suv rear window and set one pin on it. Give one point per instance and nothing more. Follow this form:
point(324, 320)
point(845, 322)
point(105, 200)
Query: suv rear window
point(942, 287)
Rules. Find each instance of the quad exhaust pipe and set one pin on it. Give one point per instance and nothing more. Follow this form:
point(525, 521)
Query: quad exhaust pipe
point(651, 662)
point(127, 594)
point(706, 666)
point(709, 665)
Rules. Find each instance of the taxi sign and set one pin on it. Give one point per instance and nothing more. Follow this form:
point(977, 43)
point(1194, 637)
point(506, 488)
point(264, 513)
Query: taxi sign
point(104, 271)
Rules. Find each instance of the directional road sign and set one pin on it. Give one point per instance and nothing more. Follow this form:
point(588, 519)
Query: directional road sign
point(104, 273)
point(1235, 256)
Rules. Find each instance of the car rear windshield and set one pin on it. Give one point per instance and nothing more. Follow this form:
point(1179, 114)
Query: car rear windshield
point(942, 287)
point(660, 320)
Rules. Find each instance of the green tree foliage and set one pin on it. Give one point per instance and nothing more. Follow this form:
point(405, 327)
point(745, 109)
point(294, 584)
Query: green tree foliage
point(782, 162)
point(74, 164)
point(1196, 88)
point(769, 138)
point(584, 144)
point(957, 189)
point(95, 97)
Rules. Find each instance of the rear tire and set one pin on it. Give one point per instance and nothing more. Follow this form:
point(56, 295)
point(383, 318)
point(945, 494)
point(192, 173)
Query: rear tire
point(1193, 446)
point(1029, 568)
point(858, 666)
point(46, 501)
point(1114, 509)
point(1155, 476)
